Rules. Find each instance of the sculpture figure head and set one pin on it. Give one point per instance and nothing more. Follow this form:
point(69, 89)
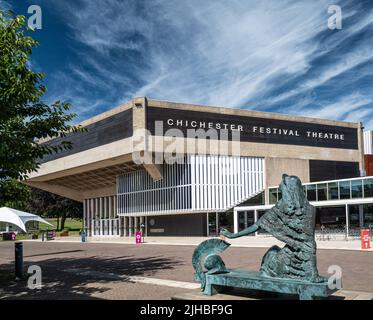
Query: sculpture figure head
point(293, 195)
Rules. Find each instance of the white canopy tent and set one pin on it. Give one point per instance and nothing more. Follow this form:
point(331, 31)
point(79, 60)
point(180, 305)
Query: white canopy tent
point(19, 218)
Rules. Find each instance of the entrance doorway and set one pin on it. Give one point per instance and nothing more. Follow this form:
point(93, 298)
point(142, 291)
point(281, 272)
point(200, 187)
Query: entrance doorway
point(246, 219)
point(218, 221)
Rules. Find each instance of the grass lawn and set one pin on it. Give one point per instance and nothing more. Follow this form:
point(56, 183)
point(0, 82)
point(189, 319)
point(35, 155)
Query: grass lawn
point(74, 226)
point(71, 224)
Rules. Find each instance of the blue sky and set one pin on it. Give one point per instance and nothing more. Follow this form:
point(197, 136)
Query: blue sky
point(273, 55)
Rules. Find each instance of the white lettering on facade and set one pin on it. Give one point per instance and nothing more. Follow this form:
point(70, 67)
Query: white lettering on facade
point(257, 130)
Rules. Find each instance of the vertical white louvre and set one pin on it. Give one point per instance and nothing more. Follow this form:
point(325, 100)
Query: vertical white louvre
point(101, 217)
point(199, 184)
point(227, 181)
point(368, 142)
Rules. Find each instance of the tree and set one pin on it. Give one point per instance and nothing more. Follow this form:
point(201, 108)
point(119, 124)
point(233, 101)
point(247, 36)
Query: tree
point(24, 118)
point(14, 194)
point(53, 206)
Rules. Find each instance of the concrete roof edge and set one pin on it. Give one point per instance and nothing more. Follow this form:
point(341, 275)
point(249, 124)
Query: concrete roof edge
point(209, 108)
point(250, 112)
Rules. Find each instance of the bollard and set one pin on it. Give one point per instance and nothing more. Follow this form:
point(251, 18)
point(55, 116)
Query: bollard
point(82, 234)
point(18, 251)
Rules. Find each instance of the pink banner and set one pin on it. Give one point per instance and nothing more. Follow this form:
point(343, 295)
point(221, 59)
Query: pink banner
point(138, 237)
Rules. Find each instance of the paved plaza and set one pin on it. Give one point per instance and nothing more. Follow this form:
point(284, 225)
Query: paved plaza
point(73, 270)
point(336, 242)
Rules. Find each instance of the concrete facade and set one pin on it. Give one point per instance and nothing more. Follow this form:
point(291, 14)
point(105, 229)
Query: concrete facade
point(93, 172)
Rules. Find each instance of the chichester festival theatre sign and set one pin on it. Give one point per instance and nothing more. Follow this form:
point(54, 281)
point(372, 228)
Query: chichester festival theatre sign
point(253, 129)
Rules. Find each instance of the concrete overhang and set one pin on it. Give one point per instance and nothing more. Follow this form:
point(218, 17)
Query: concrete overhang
point(77, 174)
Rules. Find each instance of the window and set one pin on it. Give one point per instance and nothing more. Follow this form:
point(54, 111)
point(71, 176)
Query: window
point(333, 191)
point(322, 192)
point(368, 188)
point(261, 231)
point(345, 189)
point(279, 194)
point(311, 192)
point(368, 215)
point(241, 220)
point(272, 196)
point(357, 188)
point(354, 219)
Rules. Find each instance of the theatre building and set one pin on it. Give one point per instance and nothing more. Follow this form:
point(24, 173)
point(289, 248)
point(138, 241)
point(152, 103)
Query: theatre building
point(189, 170)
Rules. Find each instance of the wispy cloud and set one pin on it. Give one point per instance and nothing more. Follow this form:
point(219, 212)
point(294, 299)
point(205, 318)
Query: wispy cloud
point(348, 108)
point(269, 55)
point(5, 5)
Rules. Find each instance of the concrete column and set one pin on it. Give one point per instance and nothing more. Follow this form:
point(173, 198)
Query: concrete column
point(99, 208)
point(361, 215)
point(89, 219)
point(207, 225)
point(140, 223)
point(217, 223)
point(136, 224)
point(139, 129)
point(125, 226)
point(361, 148)
point(130, 231)
point(235, 220)
point(120, 221)
point(86, 221)
point(347, 220)
point(93, 216)
point(84, 214)
point(97, 217)
point(146, 226)
point(256, 219)
point(108, 216)
point(245, 219)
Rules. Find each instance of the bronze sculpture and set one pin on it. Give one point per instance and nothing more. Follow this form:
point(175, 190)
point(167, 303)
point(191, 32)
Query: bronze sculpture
point(291, 269)
point(292, 221)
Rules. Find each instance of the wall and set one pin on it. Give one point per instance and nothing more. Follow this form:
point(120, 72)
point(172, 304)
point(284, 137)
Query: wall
point(332, 170)
point(110, 129)
point(369, 164)
point(189, 225)
point(276, 167)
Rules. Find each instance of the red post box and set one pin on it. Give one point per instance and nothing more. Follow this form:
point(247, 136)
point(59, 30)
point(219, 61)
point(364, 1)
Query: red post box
point(138, 237)
point(365, 238)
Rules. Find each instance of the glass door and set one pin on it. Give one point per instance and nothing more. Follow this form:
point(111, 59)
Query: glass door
point(212, 224)
point(226, 221)
point(245, 219)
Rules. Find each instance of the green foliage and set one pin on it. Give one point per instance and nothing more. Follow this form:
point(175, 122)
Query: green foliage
point(14, 194)
point(24, 118)
point(50, 205)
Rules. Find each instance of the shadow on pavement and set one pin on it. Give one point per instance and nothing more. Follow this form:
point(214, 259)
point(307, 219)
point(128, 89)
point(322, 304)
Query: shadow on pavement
point(82, 278)
point(52, 253)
